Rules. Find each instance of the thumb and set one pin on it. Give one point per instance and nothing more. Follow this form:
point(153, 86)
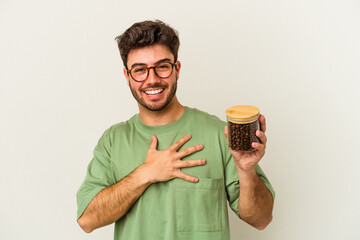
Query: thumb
point(225, 131)
point(153, 144)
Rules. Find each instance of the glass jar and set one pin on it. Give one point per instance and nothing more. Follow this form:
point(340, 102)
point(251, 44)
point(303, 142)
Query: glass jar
point(243, 121)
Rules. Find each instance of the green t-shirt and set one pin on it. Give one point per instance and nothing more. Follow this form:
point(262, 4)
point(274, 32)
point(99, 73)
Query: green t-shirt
point(176, 209)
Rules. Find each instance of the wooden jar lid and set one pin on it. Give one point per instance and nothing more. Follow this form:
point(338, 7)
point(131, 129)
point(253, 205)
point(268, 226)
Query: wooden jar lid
point(242, 113)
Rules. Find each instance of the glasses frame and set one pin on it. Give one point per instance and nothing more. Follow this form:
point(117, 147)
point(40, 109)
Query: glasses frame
point(148, 71)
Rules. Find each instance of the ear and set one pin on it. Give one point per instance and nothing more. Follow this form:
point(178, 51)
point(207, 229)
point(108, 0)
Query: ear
point(126, 76)
point(177, 69)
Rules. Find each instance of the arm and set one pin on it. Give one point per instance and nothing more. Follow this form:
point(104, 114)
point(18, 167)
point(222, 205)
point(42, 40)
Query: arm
point(113, 202)
point(255, 200)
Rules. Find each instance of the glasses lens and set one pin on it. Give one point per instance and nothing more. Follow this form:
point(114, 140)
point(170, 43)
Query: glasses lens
point(164, 70)
point(139, 73)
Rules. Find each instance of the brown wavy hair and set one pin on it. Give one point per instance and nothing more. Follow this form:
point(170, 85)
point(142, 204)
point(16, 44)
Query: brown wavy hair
point(147, 33)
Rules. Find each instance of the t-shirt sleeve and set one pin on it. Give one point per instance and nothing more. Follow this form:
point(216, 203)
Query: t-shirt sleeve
point(99, 174)
point(233, 186)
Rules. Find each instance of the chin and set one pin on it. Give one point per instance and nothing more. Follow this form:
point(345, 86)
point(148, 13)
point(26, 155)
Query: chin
point(155, 108)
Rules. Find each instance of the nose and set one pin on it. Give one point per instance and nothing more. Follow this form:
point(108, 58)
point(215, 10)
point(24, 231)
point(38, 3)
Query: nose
point(152, 77)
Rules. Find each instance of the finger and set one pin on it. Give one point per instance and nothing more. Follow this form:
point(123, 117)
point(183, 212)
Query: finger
point(153, 144)
point(262, 121)
point(225, 131)
point(261, 135)
point(191, 163)
point(258, 146)
point(186, 177)
point(226, 135)
point(180, 142)
point(190, 150)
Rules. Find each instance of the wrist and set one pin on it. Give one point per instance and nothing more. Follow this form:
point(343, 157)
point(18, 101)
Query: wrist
point(144, 175)
point(245, 168)
point(246, 173)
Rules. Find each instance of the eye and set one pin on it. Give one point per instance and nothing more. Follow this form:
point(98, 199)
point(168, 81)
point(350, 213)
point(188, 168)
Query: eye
point(163, 66)
point(139, 70)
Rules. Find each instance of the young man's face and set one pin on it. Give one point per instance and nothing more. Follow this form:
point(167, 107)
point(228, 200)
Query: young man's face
point(153, 93)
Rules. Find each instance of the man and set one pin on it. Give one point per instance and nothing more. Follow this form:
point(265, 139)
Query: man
point(166, 172)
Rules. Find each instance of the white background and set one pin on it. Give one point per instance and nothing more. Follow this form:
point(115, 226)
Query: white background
point(62, 86)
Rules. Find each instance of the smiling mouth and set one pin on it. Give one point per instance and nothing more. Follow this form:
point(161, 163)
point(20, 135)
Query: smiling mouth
point(154, 91)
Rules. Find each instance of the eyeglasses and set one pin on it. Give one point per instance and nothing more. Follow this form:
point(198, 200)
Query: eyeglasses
point(162, 70)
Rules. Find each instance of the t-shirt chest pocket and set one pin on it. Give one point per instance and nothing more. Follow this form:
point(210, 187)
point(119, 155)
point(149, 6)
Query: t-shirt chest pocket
point(197, 205)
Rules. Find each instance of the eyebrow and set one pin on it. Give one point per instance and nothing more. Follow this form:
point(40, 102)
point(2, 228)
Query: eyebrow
point(160, 61)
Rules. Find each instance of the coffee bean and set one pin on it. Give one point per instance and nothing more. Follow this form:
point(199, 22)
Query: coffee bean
point(242, 135)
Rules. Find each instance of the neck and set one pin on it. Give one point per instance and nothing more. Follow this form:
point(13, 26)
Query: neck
point(169, 114)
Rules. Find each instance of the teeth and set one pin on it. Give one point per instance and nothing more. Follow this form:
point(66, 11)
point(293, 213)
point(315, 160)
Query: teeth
point(154, 92)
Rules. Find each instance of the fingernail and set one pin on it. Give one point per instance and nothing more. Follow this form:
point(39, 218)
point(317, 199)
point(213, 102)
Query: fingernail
point(203, 161)
point(196, 180)
point(200, 146)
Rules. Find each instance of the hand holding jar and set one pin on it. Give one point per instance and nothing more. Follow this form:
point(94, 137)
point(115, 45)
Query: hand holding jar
point(246, 135)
